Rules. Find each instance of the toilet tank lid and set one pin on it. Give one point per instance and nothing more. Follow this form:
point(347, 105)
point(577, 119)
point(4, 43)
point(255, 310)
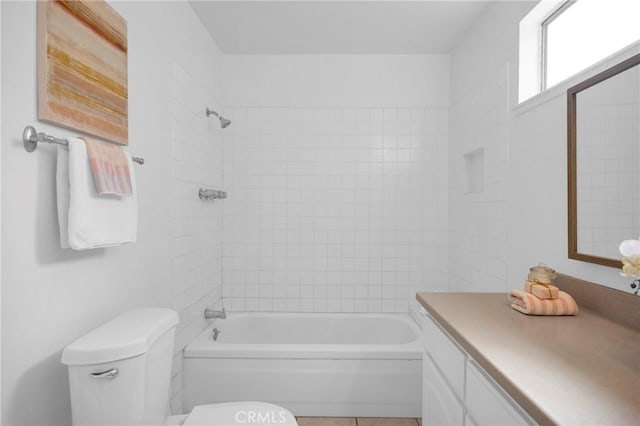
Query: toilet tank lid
point(125, 336)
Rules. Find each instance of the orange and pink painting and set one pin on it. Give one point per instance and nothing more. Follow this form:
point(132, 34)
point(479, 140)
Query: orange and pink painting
point(82, 68)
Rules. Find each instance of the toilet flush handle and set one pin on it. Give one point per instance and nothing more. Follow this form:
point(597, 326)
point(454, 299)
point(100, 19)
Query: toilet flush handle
point(109, 374)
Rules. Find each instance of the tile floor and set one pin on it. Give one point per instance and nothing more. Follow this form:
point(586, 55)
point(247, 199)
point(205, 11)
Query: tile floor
point(357, 421)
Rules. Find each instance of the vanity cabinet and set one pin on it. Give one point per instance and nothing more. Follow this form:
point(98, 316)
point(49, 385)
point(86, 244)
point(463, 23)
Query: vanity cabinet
point(440, 406)
point(457, 391)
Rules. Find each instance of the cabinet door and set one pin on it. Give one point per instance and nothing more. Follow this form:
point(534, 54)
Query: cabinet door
point(446, 354)
point(488, 403)
point(439, 404)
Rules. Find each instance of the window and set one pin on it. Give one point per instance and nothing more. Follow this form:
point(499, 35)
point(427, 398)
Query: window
point(582, 32)
point(558, 39)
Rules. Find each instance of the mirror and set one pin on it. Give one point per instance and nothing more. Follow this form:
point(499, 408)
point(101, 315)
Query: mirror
point(604, 163)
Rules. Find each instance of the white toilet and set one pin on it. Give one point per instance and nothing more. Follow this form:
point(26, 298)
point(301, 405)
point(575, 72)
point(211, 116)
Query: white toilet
point(119, 374)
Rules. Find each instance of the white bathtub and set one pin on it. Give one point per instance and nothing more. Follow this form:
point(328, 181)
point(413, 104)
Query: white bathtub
point(312, 364)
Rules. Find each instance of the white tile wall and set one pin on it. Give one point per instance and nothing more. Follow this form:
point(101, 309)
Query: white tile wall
point(608, 159)
point(478, 220)
point(196, 241)
point(334, 209)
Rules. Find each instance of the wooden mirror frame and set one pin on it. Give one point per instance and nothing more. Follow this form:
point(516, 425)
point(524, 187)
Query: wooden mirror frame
point(572, 159)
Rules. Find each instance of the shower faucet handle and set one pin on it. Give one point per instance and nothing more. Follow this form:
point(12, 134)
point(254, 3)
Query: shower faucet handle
point(211, 194)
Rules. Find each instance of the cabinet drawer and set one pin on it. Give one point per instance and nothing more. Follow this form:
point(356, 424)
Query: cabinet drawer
point(446, 354)
point(488, 404)
point(439, 404)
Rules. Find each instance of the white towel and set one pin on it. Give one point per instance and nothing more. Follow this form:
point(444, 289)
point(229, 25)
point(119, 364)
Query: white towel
point(62, 194)
point(87, 220)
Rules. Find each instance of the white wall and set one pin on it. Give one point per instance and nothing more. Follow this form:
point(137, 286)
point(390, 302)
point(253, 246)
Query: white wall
point(337, 81)
point(52, 296)
point(196, 225)
point(527, 212)
point(336, 168)
point(481, 96)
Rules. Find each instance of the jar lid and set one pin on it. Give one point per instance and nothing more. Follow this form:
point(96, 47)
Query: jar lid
point(543, 270)
point(540, 268)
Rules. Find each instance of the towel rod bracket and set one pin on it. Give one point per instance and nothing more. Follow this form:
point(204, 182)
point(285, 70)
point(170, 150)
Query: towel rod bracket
point(30, 138)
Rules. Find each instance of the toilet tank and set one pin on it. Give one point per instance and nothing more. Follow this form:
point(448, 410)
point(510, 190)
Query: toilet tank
point(119, 373)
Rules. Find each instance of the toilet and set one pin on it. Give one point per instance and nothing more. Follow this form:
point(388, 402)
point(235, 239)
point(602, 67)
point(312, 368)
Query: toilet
point(119, 374)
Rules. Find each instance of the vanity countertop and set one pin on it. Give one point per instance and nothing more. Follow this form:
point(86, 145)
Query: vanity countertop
point(580, 370)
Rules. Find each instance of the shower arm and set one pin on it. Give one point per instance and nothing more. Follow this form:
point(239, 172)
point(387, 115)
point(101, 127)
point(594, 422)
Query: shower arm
point(210, 112)
point(223, 121)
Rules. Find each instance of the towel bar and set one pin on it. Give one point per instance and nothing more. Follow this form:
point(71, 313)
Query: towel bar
point(30, 139)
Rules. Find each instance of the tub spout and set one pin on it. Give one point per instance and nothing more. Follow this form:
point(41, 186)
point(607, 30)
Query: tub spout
point(212, 313)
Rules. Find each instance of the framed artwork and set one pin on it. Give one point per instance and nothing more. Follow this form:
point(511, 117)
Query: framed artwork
point(82, 68)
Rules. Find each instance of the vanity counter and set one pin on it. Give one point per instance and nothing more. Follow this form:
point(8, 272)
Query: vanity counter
point(580, 370)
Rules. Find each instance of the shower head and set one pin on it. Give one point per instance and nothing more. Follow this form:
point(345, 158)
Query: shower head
point(223, 121)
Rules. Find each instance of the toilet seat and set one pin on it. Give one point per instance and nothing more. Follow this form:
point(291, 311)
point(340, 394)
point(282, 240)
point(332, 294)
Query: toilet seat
point(245, 413)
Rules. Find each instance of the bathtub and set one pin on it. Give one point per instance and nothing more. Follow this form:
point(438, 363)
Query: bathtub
point(312, 364)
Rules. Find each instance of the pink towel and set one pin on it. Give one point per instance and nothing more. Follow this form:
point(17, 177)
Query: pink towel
point(529, 304)
point(110, 168)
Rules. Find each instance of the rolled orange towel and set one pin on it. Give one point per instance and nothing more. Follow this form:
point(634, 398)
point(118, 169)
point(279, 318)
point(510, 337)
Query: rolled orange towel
point(529, 304)
point(541, 290)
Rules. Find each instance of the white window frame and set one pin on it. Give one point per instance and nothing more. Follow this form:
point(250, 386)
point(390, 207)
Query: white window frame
point(532, 61)
point(530, 49)
point(544, 25)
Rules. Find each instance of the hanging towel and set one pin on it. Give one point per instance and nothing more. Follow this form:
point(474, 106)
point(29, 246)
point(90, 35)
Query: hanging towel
point(529, 304)
point(87, 220)
point(62, 194)
point(110, 167)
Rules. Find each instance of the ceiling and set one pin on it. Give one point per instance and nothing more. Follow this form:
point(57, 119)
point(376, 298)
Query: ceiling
point(337, 27)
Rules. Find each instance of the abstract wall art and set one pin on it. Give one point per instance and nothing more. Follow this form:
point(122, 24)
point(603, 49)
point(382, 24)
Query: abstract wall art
point(82, 68)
